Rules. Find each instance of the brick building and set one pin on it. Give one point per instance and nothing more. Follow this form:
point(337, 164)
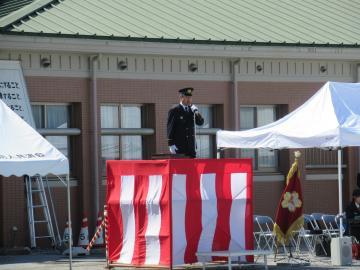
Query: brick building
point(250, 63)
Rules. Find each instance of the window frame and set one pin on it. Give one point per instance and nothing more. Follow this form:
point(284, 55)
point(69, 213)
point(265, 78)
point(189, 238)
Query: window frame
point(256, 151)
point(212, 138)
point(70, 110)
point(120, 106)
point(45, 105)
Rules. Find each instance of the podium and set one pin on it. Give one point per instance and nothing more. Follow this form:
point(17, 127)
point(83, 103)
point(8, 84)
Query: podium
point(162, 212)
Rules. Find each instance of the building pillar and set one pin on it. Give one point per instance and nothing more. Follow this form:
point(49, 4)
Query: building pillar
point(94, 127)
point(236, 109)
point(235, 101)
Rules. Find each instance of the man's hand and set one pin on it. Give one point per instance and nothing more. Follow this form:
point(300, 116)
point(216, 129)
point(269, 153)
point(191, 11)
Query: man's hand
point(194, 109)
point(173, 149)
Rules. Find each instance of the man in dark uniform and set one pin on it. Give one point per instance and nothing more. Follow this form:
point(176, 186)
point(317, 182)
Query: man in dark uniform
point(353, 215)
point(181, 125)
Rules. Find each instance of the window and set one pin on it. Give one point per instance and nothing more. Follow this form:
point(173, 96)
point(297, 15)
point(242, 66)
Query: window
point(54, 116)
point(205, 143)
point(110, 144)
point(124, 146)
point(320, 158)
point(131, 146)
point(252, 117)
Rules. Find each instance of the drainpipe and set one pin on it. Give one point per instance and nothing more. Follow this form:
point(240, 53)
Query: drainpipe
point(236, 110)
point(95, 136)
point(235, 65)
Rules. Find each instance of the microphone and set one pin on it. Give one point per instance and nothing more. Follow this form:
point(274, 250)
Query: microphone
point(194, 109)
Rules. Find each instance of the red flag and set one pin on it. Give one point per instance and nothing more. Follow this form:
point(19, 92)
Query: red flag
point(289, 216)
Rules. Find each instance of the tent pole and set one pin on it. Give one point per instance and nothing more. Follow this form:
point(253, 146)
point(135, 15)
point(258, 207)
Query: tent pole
point(340, 191)
point(69, 220)
point(218, 154)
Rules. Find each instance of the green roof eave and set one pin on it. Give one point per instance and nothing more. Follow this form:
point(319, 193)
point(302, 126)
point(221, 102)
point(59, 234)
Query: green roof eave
point(178, 40)
point(23, 12)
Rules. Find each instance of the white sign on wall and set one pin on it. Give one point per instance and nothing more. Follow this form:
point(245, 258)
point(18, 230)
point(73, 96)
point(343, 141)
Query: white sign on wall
point(13, 90)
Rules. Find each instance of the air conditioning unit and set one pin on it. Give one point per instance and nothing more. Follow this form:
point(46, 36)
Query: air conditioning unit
point(341, 251)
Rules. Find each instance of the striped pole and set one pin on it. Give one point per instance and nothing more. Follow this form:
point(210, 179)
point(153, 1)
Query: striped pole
point(106, 235)
point(96, 236)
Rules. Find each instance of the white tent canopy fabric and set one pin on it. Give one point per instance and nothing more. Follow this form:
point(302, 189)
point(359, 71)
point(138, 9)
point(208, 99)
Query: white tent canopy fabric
point(329, 119)
point(23, 151)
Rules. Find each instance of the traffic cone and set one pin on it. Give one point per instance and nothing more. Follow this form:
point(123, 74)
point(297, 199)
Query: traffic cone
point(99, 242)
point(84, 233)
point(66, 235)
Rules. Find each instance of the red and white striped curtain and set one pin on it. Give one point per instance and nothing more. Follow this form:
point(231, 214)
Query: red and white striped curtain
point(163, 212)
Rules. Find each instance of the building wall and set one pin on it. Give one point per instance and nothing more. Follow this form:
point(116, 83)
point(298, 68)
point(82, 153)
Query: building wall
point(155, 80)
point(160, 67)
point(13, 211)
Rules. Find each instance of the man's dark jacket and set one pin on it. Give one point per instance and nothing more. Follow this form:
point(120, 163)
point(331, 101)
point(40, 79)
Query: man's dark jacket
point(181, 129)
point(352, 211)
point(352, 214)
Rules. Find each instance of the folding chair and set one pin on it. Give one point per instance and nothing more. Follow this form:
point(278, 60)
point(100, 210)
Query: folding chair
point(319, 223)
point(317, 218)
point(265, 225)
point(319, 235)
point(331, 226)
point(256, 233)
point(306, 236)
point(311, 235)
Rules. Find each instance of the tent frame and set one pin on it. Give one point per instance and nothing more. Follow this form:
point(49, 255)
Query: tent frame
point(340, 179)
point(67, 184)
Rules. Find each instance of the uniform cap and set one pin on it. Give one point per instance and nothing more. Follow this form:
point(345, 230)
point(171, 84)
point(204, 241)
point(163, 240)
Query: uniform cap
point(186, 91)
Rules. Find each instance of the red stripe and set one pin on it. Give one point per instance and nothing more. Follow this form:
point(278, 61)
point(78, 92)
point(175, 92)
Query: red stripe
point(193, 226)
point(115, 226)
point(249, 225)
point(224, 200)
point(165, 230)
point(140, 210)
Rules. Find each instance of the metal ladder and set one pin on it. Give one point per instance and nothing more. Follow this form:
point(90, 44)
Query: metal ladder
point(35, 185)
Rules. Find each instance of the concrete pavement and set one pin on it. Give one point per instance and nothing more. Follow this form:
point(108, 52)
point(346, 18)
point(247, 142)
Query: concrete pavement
point(53, 261)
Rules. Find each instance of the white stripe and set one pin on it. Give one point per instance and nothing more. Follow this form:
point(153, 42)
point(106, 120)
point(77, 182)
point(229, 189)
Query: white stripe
point(237, 213)
point(154, 220)
point(178, 217)
point(208, 212)
point(128, 218)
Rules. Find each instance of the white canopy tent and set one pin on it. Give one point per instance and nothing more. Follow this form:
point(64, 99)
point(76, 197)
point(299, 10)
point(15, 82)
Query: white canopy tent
point(329, 119)
point(23, 151)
